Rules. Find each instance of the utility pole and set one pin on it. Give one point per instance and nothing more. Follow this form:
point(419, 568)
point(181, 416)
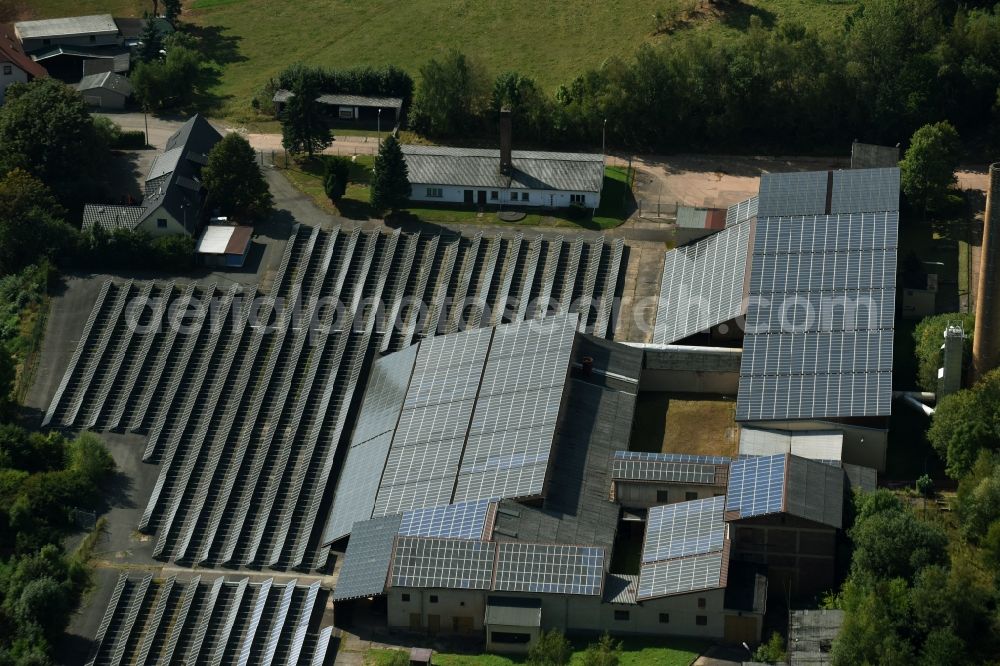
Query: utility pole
point(604, 131)
point(145, 122)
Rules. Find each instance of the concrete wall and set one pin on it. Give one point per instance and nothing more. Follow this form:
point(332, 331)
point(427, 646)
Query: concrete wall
point(635, 495)
point(16, 76)
point(546, 198)
point(103, 98)
point(862, 446)
point(568, 613)
point(30, 45)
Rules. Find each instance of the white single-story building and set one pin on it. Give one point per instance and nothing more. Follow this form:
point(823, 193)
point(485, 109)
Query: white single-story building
point(95, 30)
point(473, 176)
point(105, 91)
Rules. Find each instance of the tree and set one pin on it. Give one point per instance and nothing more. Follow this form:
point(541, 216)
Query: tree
point(452, 94)
point(172, 81)
point(150, 41)
point(234, 182)
point(967, 422)
point(172, 9)
point(390, 188)
point(771, 652)
point(891, 542)
point(8, 373)
point(46, 130)
point(551, 649)
point(605, 652)
point(31, 227)
point(929, 335)
point(336, 175)
point(303, 128)
point(927, 171)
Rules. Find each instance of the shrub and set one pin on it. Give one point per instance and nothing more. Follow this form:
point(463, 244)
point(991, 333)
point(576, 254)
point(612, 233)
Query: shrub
point(577, 211)
point(771, 652)
point(130, 140)
point(551, 649)
point(925, 485)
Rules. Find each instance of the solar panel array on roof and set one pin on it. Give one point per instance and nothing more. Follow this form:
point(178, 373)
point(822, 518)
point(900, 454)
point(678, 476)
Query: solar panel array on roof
point(756, 485)
point(801, 193)
point(638, 466)
point(865, 190)
point(446, 563)
point(702, 284)
point(671, 457)
point(742, 211)
point(464, 520)
point(678, 576)
point(819, 324)
point(526, 567)
point(367, 560)
point(685, 528)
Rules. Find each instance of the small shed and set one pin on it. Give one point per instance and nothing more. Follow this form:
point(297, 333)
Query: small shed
point(106, 90)
point(421, 656)
point(224, 245)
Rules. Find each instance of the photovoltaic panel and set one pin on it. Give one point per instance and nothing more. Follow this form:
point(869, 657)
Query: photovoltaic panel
point(777, 397)
point(801, 193)
point(756, 485)
point(445, 563)
point(826, 233)
point(685, 528)
point(384, 395)
point(464, 520)
point(678, 576)
point(366, 562)
point(655, 470)
point(742, 211)
point(355, 499)
point(671, 457)
point(865, 190)
point(541, 568)
point(702, 284)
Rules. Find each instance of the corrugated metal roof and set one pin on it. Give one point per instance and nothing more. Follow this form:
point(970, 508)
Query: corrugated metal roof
point(620, 588)
point(480, 167)
point(811, 634)
point(109, 217)
point(343, 99)
point(813, 444)
point(815, 491)
point(97, 24)
point(108, 81)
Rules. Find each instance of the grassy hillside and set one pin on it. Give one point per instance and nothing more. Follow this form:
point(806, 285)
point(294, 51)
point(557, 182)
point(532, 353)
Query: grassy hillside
point(551, 41)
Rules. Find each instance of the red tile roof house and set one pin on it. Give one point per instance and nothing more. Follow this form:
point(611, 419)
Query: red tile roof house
point(15, 66)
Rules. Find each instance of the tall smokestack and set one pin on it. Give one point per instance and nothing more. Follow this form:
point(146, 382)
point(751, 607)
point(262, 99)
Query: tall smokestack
point(505, 140)
point(986, 340)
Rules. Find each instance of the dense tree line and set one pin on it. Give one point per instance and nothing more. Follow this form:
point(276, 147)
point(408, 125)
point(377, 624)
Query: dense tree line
point(894, 66)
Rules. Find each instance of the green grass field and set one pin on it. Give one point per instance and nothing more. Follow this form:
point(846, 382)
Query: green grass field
point(551, 41)
point(637, 652)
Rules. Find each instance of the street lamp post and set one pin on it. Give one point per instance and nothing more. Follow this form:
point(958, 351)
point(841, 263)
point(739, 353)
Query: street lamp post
point(380, 126)
point(604, 131)
point(145, 122)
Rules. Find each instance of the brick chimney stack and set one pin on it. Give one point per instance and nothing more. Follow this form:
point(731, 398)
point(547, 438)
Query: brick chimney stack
point(505, 141)
point(986, 340)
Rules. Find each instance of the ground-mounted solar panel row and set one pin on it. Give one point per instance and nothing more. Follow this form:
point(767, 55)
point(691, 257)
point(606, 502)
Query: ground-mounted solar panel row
point(245, 398)
point(203, 620)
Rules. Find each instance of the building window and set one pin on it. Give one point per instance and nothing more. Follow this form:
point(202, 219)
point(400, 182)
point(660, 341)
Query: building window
point(434, 193)
point(621, 615)
point(406, 597)
point(434, 598)
point(664, 618)
point(8, 70)
point(510, 637)
point(513, 196)
point(494, 195)
point(524, 196)
point(577, 199)
point(161, 223)
point(701, 620)
point(688, 496)
point(662, 496)
point(93, 39)
point(701, 602)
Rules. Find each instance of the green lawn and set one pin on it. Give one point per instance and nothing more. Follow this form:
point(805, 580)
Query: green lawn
point(551, 41)
point(306, 176)
point(637, 652)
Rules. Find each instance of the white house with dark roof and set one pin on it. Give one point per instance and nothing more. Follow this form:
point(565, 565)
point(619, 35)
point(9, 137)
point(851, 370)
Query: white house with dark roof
point(504, 177)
